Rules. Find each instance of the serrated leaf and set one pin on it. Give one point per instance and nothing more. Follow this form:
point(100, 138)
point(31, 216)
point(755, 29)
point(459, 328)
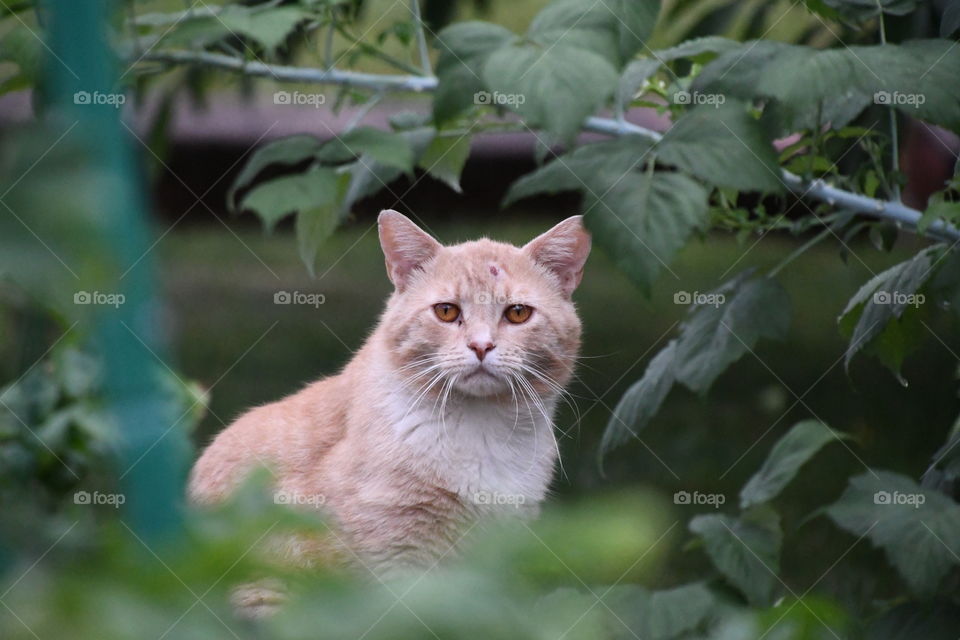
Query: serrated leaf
point(385, 147)
point(834, 85)
point(939, 209)
point(723, 145)
point(614, 29)
point(589, 167)
point(368, 176)
point(696, 48)
point(285, 151)
point(885, 298)
point(659, 615)
point(918, 529)
point(464, 48)
point(270, 27)
point(715, 336)
point(790, 453)
point(912, 620)
point(444, 158)
point(746, 550)
point(643, 220)
point(315, 225)
point(633, 77)
point(641, 401)
point(275, 199)
point(553, 88)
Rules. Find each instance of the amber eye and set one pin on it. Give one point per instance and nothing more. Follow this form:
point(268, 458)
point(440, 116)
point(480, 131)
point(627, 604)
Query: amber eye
point(446, 311)
point(518, 313)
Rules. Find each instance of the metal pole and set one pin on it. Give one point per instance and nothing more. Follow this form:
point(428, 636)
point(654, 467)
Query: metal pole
point(80, 69)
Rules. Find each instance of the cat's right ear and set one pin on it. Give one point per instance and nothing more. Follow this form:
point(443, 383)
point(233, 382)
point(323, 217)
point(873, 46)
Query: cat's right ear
point(406, 247)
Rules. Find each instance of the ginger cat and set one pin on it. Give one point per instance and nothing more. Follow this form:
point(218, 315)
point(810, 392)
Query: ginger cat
point(444, 416)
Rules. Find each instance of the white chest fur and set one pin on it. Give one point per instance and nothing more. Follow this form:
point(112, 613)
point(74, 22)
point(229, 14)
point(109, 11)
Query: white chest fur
point(488, 453)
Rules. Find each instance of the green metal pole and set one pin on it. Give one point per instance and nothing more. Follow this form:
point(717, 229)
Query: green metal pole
point(82, 73)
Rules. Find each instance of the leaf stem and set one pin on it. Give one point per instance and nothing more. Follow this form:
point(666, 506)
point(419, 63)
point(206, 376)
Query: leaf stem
point(421, 38)
point(892, 115)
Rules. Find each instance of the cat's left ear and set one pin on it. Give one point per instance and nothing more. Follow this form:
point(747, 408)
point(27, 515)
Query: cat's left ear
point(405, 246)
point(563, 250)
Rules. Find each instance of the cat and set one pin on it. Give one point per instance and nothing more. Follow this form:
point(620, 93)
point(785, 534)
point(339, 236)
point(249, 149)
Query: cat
point(444, 416)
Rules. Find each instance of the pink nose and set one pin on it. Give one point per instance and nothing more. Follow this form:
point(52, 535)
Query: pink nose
point(481, 348)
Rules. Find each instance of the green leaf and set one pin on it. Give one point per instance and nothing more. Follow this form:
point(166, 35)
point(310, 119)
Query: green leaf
point(950, 20)
point(270, 27)
point(883, 299)
point(633, 78)
point(939, 209)
point(724, 145)
point(643, 220)
point(744, 310)
point(614, 29)
point(445, 157)
point(696, 48)
point(315, 225)
point(275, 199)
point(918, 529)
point(659, 615)
point(912, 620)
point(385, 147)
point(836, 84)
point(464, 48)
point(368, 176)
point(863, 10)
point(746, 550)
point(790, 453)
point(641, 401)
point(591, 167)
point(77, 372)
point(554, 88)
point(22, 48)
point(285, 151)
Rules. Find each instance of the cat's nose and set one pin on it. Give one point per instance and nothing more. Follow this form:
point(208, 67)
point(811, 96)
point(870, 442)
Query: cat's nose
point(481, 348)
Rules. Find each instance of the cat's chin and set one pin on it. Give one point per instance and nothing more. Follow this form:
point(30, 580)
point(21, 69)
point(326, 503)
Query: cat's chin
point(482, 383)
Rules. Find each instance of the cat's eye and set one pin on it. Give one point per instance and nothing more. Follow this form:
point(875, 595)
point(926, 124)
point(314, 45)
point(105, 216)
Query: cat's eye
point(518, 313)
point(446, 311)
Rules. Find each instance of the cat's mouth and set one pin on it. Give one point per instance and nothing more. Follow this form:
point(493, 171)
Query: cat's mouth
point(481, 380)
point(481, 371)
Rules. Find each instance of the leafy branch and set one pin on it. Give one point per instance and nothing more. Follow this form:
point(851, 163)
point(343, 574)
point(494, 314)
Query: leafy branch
point(891, 210)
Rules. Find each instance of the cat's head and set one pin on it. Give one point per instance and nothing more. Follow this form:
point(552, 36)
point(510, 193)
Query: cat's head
point(483, 318)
